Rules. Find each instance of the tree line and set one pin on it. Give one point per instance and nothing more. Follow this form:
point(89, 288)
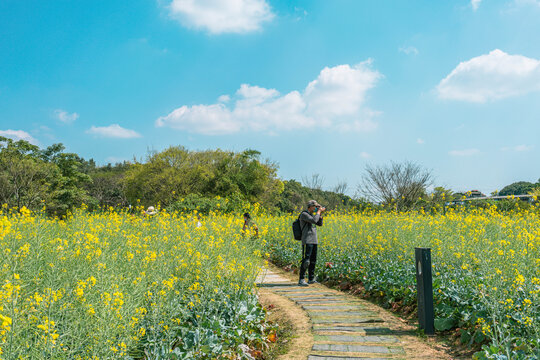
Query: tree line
point(186, 180)
point(177, 178)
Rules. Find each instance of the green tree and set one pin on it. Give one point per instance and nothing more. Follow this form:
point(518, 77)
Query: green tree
point(23, 175)
point(441, 195)
point(107, 186)
point(517, 188)
point(176, 172)
point(295, 196)
point(68, 181)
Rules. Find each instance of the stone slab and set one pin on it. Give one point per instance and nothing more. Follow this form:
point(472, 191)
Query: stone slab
point(329, 307)
point(313, 298)
point(308, 296)
point(320, 302)
point(340, 314)
point(296, 288)
point(363, 329)
point(312, 294)
point(356, 349)
point(271, 285)
point(357, 320)
point(322, 357)
point(357, 339)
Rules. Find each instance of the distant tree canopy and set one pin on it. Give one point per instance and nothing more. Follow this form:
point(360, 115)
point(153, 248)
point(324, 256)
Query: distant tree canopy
point(295, 197)
point(176, 173)
point(185, 180)
point(518, 188)
point(36, 178)
point(176, 178)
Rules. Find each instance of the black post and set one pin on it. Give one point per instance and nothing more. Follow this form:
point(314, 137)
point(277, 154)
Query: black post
point(424, 287)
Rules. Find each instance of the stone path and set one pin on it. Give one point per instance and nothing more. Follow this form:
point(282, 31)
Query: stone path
point(343, 328)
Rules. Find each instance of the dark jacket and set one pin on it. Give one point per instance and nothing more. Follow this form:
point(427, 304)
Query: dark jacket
point(308, 224)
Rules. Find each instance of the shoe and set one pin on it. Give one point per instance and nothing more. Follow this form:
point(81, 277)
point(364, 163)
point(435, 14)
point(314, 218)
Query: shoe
point(302, 283)
point(313, 281)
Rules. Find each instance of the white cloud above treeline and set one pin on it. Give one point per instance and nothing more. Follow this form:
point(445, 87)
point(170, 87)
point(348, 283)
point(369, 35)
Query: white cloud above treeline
point(65, 117)
point(466, 152)
point(113, 131)
point(220, 16)
point(475, 4)
point(18, 135)
point(334, 100)
point(490, 77)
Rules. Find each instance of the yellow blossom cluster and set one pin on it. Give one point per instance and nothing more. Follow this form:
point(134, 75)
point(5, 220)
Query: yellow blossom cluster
point(93, 285)
point(484, 261)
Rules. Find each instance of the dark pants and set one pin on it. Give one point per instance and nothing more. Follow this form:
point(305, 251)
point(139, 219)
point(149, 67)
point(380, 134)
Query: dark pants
point(309, 257)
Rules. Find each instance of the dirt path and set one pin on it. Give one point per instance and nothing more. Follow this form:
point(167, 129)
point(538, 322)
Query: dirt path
point(343, 327)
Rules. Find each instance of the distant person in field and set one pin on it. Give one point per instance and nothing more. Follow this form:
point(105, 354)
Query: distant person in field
point(151, 211)
point(250, 228)
point(309, 220)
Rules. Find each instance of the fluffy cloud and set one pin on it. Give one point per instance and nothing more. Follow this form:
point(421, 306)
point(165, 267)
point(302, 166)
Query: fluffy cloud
point(113, 131)
point(518, 148)
point(475, 4)
point(219, 16)
point(494, 76)
point(335, 99)
point(18, 135)
point(65, 117)
point(466, 152)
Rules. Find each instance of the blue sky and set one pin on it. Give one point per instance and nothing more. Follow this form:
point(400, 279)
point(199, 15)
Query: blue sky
point(317, 86)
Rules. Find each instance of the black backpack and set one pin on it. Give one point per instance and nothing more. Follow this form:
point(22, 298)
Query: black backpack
point(296, 229)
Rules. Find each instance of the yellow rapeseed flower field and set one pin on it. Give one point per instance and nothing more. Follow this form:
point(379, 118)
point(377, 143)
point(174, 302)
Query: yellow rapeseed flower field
point(115, 285)
point(486, 267)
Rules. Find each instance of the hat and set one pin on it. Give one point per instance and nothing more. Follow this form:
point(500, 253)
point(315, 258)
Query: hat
point(151, 211)
point(313, 203)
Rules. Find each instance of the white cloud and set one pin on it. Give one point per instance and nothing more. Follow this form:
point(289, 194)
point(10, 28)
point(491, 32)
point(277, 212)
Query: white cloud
point(365, 155)
point(518, 148)
point(65, 117)
point(528, 2)
point(494, 76)
point(420, 141)
point(18, 135)
point(335, 100)
point(219, 16)
point(475, 4)
point(113, 131)
point(466, 152)
point(224, 99)
point(409, 50)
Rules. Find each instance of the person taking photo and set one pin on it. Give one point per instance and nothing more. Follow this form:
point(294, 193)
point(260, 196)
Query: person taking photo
point(309, 220)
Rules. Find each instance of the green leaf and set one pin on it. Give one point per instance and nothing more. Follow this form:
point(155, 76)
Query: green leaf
point(444, 324)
